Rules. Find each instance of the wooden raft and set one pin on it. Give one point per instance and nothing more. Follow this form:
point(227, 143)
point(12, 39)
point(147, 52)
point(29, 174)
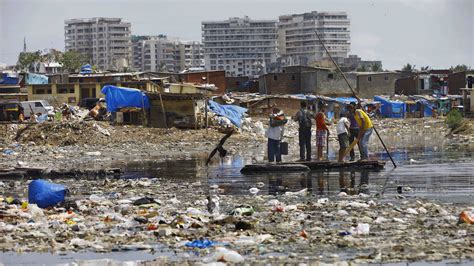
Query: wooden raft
point(312, 165)
point(324, 165)
point(280, 168)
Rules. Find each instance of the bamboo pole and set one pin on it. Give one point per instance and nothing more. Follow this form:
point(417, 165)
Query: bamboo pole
point(355, 95)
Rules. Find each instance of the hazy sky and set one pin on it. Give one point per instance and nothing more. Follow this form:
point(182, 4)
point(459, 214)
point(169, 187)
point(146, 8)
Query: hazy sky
point(438, 33)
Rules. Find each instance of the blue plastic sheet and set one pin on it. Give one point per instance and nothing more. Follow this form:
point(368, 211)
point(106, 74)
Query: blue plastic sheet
point(7, 80)
point(200, 243)
point(45, 194)
point(391, 109)
point(233, 112)
point(32, 79)
point(118, 97)
point(86, 69)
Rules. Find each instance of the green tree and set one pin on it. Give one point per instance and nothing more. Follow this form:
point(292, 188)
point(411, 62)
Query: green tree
point(408, 67)
point(73, 60)
point(460, 68)
point(362, 68)
point(25, 59)
point(425, 68)
point(377, 67)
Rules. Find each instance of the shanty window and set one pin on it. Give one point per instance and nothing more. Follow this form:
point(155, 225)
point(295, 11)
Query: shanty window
point(64, 90)
point(387, 78)
point(369, 78)
point(274, 77)
point(293, 77)
point(331, 76)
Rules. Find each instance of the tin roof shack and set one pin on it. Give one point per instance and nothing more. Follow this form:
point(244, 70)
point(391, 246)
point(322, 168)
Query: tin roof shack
point(261, 105)
point(191, 88)
point(460, 80)
point(376, 83)
point(303, 79)
point(181, 110)
point(80, 86)
point(212, 77)
point(241, 84)
point(418, 83)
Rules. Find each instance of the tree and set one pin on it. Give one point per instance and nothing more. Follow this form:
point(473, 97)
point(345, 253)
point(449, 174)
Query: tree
point(73, 60)
point(25, 59)
point(460, 68)
point(362, 68)
point(377, 67)
point(425, 68)
point(408, 67)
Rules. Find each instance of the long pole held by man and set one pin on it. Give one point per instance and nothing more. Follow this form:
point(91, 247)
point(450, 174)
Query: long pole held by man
point(355, 95)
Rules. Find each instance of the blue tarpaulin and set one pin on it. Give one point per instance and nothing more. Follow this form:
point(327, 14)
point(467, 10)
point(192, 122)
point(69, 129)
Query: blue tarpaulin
point(391, 109)
point(32, 79)
point(346, 100)
point(45, 194)
point(118, 97)
point(8, 80)
point(86, 69)
point(233, 112)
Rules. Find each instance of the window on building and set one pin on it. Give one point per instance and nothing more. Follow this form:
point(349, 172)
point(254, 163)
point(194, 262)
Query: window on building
point(293, 77)
point(330, 76)
point(275, 77)
point(369, 78)
point(386, 78)
point(64, 90)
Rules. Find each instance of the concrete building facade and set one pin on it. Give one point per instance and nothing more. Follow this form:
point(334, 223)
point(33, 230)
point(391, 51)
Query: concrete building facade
point(105, 41)
point(376, 83)
point(159, 54)
point(298, 43)
point(240, 46)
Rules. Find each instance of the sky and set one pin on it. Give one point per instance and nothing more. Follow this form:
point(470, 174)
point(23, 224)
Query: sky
point(435, 33)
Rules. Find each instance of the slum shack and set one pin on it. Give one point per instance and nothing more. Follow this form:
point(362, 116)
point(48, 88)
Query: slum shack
point(261, 105)
point(9, 110)
point(177, 110)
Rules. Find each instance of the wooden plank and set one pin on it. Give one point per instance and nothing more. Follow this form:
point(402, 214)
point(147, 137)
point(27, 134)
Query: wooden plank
point(267, 168)
point(321, 165)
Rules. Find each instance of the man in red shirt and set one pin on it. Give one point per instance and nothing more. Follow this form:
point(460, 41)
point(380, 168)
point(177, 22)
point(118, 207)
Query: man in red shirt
point(322, 130)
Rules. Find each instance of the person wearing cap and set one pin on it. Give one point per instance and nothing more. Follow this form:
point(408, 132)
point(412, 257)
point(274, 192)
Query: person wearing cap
point(353, 129)
point(274, 133)
point(365, 131)
point(322, 130)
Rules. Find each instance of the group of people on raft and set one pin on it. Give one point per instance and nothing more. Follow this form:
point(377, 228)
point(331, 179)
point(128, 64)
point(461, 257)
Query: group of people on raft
point(355, 124)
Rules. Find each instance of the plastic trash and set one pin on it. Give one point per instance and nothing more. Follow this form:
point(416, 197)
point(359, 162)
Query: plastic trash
point(361, 229)
point(8, 152)
point(466, 217)
point(96, 198)
point(243, 210)
point(144, 200)
point(45, 194)
point(200, 243)
point(225, 255)
point(254, 190)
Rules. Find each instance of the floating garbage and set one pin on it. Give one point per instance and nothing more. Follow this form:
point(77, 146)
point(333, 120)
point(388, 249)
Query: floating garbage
point(200, 243)
point(466, 217)
point(45, 194)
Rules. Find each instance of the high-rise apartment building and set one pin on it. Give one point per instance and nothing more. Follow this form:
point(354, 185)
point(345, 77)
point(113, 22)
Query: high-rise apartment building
point(157, 53)
point(298, 43)
point(105, 41)
point(240, 46)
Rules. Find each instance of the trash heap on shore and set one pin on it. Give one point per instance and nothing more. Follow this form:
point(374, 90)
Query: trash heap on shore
point(156, 215)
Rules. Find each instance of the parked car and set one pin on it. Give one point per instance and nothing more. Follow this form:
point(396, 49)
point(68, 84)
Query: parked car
point(88, 103)
point(37, 107)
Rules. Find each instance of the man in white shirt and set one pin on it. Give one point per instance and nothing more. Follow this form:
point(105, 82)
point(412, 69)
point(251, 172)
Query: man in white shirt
point(342, 129)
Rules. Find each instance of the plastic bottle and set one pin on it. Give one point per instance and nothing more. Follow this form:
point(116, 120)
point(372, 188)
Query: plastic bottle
point(466, 217)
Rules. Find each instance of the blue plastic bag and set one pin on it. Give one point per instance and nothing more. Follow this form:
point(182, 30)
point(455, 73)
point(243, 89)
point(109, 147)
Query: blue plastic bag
point(45, 194)
point(198, 243)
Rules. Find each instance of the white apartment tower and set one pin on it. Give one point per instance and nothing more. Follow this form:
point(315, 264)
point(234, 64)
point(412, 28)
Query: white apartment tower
point(105, 41)
point(240, 46)
point(159, 54)
point(298, 43)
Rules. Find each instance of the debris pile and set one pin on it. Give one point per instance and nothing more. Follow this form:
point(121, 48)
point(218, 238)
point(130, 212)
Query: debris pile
point(146, 214)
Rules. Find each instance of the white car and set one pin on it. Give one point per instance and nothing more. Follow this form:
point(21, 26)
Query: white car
point(37, 107)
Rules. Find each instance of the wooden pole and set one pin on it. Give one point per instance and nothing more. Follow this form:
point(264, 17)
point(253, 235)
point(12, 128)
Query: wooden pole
point(163, 111)
point(355, 95)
